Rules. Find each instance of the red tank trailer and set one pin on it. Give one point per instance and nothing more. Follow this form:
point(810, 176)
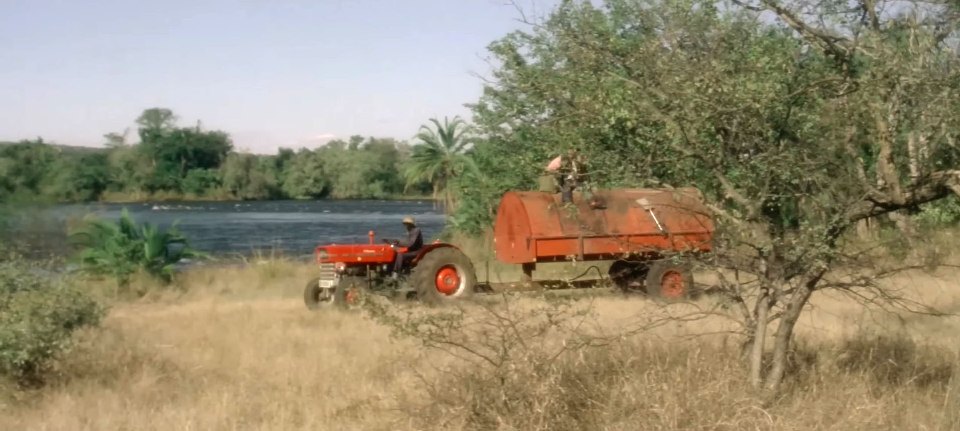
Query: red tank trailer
point(642, 230)
point(638, 228)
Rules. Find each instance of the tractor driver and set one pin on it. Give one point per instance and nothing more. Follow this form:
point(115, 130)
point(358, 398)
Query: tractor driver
point(413, 243)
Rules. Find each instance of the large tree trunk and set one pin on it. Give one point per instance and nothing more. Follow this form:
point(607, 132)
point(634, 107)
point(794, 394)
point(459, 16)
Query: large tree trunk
point(757, 344)
point(781, 344)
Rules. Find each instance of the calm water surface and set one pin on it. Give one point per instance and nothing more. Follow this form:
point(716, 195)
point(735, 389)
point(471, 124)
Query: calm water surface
point(292, 227)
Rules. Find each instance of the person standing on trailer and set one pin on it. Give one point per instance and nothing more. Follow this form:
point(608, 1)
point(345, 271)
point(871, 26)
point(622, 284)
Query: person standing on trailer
point(570, 170)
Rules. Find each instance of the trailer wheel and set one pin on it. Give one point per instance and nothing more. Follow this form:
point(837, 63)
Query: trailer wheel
point(316, 297)
point(669, 280)
point(351, 292)
point(443, 274)
point(628, 276)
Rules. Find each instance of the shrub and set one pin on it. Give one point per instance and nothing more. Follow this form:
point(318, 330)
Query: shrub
point(120, 249)
point(941, 213)
point(38, 314)
point(201, 181)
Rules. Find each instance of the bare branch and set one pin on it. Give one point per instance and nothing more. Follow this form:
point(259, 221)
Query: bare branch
point(748, 6)
point(833, 44)
point(934, 186)
point(870, 9)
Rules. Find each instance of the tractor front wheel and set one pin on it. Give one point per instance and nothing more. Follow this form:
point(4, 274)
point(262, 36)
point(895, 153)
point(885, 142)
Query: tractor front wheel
point(316, 297)
point(351, 292)
point(669, 280)
point(443, 274)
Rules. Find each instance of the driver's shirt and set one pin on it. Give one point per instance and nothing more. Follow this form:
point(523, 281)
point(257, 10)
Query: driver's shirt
point(414, 240)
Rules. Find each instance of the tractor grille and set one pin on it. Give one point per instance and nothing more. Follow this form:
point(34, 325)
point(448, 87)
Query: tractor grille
point(328, 275)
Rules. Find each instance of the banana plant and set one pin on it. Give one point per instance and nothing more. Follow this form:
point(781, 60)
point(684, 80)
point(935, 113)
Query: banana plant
point(122, 248)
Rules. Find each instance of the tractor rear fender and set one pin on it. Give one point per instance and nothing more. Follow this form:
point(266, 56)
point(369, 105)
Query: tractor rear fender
point(429, 247)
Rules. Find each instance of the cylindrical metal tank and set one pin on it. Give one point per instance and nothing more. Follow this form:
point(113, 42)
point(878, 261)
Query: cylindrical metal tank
point(537, 227)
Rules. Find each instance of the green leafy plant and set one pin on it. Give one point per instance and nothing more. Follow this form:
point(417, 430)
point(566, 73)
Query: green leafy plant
point(441, 156)
point(38, 314)
point(122, 248)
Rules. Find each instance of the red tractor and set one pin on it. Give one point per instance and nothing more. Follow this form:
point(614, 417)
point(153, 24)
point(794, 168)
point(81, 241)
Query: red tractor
point(439, 272)
point(641, 230)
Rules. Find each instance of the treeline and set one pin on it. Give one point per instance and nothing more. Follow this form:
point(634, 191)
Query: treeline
point(174, 162)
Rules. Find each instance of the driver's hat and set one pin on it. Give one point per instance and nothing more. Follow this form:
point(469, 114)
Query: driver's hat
point(409, 220)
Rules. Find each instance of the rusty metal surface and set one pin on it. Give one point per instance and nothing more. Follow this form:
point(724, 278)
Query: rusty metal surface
point(536, 226)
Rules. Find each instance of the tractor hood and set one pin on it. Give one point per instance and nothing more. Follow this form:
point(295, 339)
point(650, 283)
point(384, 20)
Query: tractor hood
point(355, 253)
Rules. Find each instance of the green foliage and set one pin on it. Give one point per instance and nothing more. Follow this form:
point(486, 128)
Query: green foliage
point(171, 161)
point(682, 93)
point(24, 167)
point(441, 157)
point(248, 177)
point(38, 314)
point(201, 181)
point(945, 212)
point(130, 171)
point(362, 169)
point(156, 119)
point(173, 152)
point(304, 176)
point(121, 249)
point(79, 179)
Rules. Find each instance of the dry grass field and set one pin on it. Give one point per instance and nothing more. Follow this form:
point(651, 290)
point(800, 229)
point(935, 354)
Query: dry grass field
point(238, 350)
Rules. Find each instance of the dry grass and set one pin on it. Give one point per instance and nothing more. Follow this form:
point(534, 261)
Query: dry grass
point(235, 349)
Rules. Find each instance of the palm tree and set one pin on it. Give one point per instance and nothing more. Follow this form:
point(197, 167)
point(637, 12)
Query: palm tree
point(441, 156)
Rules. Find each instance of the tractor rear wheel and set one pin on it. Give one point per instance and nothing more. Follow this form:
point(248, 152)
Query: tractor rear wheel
point(351, 292)
point(628, 276)
point(669, 280)
point(316, 297)
point(443, 274)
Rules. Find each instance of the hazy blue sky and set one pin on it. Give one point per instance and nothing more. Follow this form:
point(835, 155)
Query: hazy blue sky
point(270, 73)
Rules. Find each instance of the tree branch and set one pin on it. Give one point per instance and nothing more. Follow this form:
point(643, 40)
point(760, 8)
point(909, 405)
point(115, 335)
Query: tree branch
point(936, 185)
point(870, 8)
point(833, 44)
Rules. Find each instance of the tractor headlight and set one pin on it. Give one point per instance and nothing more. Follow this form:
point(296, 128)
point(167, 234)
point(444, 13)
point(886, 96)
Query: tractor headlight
point(322, 255)
point(340, 266)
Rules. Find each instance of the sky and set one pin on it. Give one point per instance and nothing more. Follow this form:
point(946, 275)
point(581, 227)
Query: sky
point(271, 73)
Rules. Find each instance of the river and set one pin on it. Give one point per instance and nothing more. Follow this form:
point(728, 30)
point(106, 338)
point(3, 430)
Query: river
point(293, 228)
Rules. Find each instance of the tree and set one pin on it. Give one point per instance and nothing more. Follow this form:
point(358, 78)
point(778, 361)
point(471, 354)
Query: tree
point(157, 119)
point(181, 150)
point(26, 166)
point(304, 176)
point(116, 140)
point(247, 177)
point(362, 169)
point(355, 142)
point(200, 182)
point(794, 131)
point(388, 162)
point(130, 170)
point(175, 151)
point(353, 174)
point(440, 157)
point(79, 178)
